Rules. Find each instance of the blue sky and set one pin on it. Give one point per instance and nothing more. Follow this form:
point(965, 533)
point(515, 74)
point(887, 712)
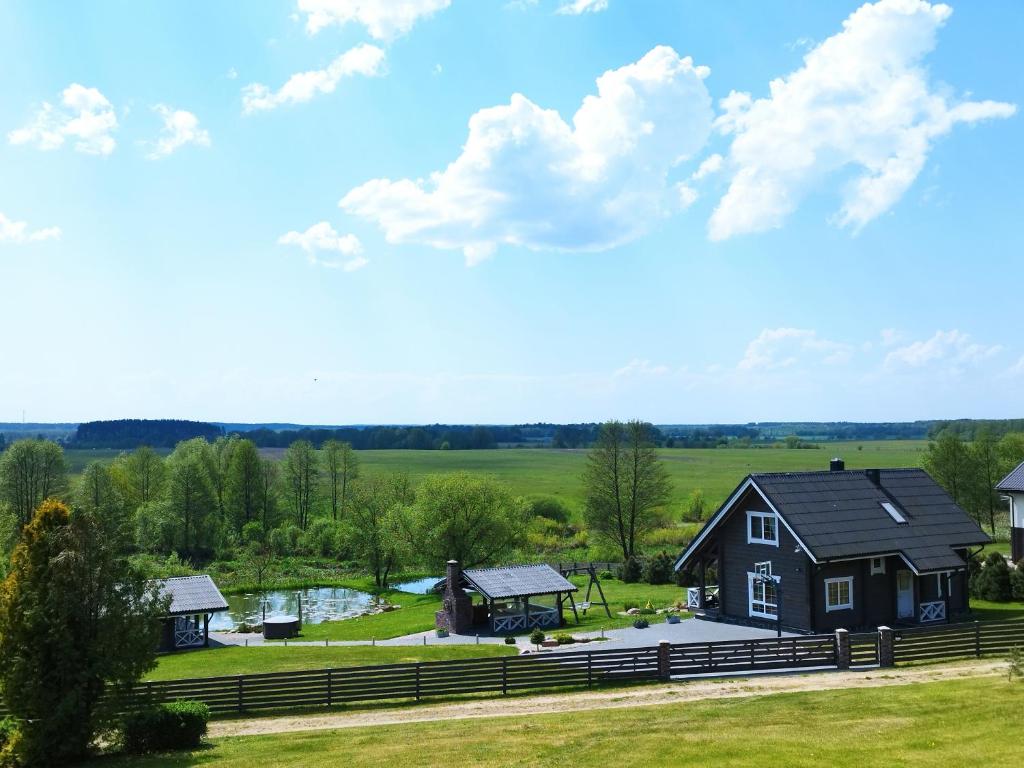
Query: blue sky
point(356, 211)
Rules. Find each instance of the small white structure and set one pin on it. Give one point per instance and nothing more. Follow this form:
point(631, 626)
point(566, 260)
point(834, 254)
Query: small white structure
point(1012, 488)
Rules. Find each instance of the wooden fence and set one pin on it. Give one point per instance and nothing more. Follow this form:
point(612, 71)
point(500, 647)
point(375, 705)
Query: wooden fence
point(970, 639)
point(510, 674)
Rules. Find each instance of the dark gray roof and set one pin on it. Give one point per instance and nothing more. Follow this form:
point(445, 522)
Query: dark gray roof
point(192, 594)
point(840, 514)
point(517, 581)
point(1013, 481)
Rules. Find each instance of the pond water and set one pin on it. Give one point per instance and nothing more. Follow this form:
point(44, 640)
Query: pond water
point(418, 587)
point(318, 604)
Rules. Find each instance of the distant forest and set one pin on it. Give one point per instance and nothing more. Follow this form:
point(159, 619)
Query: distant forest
point(127, 434)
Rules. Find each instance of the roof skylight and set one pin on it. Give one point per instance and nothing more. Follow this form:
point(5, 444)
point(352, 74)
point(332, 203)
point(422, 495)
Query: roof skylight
point(894, 513)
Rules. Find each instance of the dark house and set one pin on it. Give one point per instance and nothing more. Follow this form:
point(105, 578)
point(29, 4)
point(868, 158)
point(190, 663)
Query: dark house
point(514, 598)
point(843, 548)
point(187, 621)
point(1012, 487)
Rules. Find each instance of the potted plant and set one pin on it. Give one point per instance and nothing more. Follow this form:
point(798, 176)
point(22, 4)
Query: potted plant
point(441, 632)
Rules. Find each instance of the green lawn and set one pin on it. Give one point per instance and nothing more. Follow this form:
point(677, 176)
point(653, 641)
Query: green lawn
point(214, 662)
point(930, 725)
point(988, 611)
point(417, 612)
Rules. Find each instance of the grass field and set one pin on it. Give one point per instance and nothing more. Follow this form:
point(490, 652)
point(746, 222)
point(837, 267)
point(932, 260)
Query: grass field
point(214, 662)
point(930, 725)
point(534, 471)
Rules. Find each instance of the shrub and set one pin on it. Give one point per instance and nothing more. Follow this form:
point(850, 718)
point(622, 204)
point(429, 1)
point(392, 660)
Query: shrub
point(641, 624)
point(564, 639)
point(1017, 583)
point(648, 611)
point(180, 725)
point(630, 572)
point(537, 636)
point(510, 640)
point(606, 575)
point(550, 508)
point(8, 728)
point(992, 582)
point(659, 569)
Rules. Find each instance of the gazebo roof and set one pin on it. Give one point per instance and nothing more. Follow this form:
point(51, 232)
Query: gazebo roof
point(192, 594)
point(517, 581)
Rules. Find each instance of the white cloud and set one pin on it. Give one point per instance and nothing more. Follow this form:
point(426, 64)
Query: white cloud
point(232, 74)
point(784, 347)
point(527, 177)
point(951, 349)
point(891, 337)
point(17, 232)
point(180, 128)
point(1017, 369)
point(87, 118)
point(364, 59)
point(709, 167)
point(862, 99)
point(640, 367)
point(323, 238)
point(383, 19)
point(576, 7)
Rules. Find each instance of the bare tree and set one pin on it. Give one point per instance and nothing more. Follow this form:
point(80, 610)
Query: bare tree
point(342, 467)
point(625, 483)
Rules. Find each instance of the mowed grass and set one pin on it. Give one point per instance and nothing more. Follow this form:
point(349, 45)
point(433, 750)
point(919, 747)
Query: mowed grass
point(930, 725)
point(215, 662)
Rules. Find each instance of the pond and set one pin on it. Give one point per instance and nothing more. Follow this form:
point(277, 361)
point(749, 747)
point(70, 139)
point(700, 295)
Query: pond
point(419, 586)
point(318, 604)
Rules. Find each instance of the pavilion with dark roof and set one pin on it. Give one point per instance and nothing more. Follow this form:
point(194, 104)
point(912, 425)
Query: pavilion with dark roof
point(513, 598)
point(193, 599)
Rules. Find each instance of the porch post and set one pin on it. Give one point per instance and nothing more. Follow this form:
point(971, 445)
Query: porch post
point(526, 612)
point(701, 576)
point(206, 630)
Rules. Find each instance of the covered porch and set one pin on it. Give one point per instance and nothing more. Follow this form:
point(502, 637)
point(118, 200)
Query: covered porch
point(192, 600)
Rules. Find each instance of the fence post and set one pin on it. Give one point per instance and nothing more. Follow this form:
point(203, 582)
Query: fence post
point(590, 668)
point(886, 650)
point(842, 649)
point(977, 639)
point(241, 694)
point(504, 676)
point(664, 662)
point(330, 688)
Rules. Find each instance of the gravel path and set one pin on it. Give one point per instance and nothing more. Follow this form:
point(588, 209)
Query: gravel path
point(639, 696)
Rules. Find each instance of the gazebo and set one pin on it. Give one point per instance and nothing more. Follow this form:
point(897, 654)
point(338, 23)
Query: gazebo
point(514, 598)
point(187, 621)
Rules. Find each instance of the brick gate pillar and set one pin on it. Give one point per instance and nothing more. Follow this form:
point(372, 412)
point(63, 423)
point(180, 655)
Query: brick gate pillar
point(842, 649)
point(886, 649)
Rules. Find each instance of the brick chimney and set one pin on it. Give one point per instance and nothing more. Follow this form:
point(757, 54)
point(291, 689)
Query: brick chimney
point(457, 614)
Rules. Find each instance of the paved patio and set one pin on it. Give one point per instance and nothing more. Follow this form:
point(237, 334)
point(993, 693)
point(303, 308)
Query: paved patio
point(686, 631)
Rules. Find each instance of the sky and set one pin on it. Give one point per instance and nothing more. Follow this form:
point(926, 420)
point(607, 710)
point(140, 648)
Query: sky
point(490, 211)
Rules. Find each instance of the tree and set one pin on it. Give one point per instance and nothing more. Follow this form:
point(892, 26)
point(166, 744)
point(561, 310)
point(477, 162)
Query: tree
point(269, 475)
point(949, 461)
point(474, 520)
point(244, 484)
point(379, 524)
point(981, 495)
point(625, 484)
point(78, 626)
point(218, 460)
point(1011, 450)
point(31, 471)
point(141, 475)
point(696, 506)
point(191, 501)
point(301, 473)
point(98, 494)
point(341, 466)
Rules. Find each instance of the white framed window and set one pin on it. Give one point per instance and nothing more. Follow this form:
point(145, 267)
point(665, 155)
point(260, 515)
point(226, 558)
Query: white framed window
point(877, 566)
point(839, 594)
point(762, 528)
point(763, 569)
point(762, 596)
point(940, 579)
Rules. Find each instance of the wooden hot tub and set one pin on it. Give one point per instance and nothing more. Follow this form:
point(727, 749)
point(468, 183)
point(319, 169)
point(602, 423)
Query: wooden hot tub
point(280, 627)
